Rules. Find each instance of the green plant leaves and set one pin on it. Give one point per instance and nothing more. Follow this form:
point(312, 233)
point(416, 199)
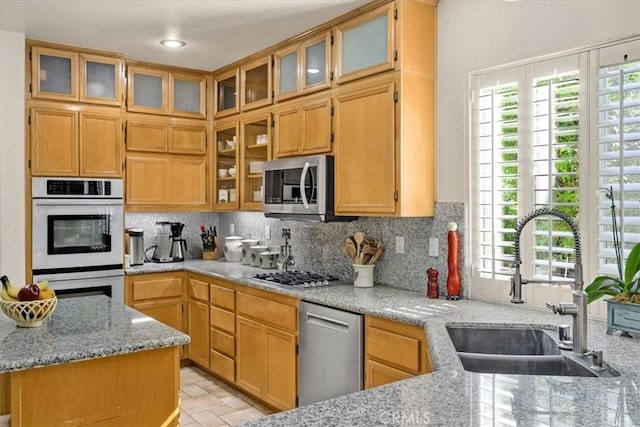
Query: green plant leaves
point(605, 285)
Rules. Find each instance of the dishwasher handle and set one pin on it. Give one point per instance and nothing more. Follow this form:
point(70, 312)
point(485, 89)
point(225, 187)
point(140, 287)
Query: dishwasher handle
point(327, 322)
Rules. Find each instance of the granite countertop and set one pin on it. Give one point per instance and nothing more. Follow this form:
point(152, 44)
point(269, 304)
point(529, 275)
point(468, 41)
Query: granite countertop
point(80, 329)
point(451, 396)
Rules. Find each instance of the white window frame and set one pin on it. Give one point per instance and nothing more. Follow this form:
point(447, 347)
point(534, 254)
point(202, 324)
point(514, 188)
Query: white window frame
point(537, 294)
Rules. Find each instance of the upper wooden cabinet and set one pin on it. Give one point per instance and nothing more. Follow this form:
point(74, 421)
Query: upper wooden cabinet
point(166, 182)
point(67, 142)
point(226, 135)
point(255, 135)
point(161, 91)
point(226, 87)
point(303, 67)
point(72, 76)
point(302, 126)
point(365, 45)
point(255, 84)
point(164, 134)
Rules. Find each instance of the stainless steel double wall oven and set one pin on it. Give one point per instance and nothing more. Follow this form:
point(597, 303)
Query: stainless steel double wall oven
point(77, 235)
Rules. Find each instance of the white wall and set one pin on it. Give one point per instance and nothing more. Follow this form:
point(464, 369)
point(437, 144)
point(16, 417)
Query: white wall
point(12, 145)
point(476, 34)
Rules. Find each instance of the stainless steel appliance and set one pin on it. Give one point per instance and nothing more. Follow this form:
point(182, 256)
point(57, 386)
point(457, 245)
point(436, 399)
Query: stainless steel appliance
point(177, 242)
point(77, 235)
point(169, 242)
point(330, 353)
point(300, 188)
point(136, 245)
point(304, 279)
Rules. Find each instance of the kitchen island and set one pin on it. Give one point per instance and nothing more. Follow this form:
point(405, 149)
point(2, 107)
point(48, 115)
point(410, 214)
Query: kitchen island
point(451, 396)
point(93, 361)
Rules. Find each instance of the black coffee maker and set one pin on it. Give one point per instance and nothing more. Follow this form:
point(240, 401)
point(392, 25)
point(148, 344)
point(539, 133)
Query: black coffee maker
point(178, 244)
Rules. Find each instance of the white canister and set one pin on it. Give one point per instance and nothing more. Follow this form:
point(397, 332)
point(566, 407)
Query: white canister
point(233, 248)
point(363, 275)
point(255, 254)
point(269, 259)
point(246, 253)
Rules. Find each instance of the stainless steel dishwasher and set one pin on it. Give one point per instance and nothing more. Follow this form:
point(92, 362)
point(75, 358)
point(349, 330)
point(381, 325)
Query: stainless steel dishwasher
point(330, 353)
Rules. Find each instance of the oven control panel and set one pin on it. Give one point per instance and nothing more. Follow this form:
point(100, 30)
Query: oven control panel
point(86, 188)
point(74, 187)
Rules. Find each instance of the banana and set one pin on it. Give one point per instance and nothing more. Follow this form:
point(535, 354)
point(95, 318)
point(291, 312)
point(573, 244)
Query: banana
point(6, 296)
point(43, 285)
point(46, 293)
point(11, 290)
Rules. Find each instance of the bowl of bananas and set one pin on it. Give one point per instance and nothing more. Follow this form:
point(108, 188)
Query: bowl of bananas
point(29, 305)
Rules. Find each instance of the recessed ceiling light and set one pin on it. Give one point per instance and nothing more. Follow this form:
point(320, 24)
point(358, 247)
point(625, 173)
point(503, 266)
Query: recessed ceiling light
point(173, 44)
point(313, 70)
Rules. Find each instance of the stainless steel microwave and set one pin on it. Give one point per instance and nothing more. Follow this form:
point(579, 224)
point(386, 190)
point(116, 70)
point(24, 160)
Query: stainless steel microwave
point(300, 188)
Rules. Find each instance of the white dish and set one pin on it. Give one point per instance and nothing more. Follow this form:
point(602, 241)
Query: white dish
point(256, 167)
point(222, 173)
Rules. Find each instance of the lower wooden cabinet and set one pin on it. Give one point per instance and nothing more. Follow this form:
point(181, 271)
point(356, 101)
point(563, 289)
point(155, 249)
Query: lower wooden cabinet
point(394, 351)
point(5, 403)
point(266, 341)
point(158, 295)
point(222, 322)
point(198, 320)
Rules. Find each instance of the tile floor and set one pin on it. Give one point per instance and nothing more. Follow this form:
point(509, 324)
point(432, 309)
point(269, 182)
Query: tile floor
point(206, 401)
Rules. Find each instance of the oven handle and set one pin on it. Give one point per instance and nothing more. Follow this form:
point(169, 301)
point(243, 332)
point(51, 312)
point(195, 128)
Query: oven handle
point(303, 177)
point(70, 202)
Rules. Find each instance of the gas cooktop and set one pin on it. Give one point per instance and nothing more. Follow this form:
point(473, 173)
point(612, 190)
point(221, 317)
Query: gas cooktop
point(305, 279)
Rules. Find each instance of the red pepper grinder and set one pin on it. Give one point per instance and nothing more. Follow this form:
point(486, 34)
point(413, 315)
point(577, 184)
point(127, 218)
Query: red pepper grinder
point(453, 279)
point(432, 284)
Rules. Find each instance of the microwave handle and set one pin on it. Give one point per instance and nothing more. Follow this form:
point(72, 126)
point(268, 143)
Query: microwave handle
point(303, 177)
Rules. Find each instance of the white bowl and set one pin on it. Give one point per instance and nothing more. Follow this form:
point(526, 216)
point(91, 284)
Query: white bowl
point(223, 173)
point(232, 171)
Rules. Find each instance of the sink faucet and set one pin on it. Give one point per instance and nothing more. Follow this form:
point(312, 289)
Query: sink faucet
point(578, 308)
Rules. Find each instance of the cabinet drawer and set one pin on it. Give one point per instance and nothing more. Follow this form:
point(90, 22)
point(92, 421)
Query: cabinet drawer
point(396, 344)
point(199, 290)
point(157, 288)
point(222, 297)
point(223, 343)
point(223, 319)
point(272, 312)
point(378, 374)
point(222, 366)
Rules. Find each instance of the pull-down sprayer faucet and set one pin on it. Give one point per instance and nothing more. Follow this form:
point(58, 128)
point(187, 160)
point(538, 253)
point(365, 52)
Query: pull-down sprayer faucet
point(578, 308)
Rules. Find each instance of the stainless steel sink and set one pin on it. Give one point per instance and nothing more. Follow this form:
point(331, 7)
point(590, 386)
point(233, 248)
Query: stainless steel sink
point(521, 351)
point(494, 340)
point(523, 365)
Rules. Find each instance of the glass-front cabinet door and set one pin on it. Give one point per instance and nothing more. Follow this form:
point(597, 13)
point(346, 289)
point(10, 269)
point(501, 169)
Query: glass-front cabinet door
point(101, 79)
point(54, 74)
point(365, 45)
point(316, 58)
point(227, 93)
point(147, 90)
point(256, 84)
point(226, 168)
point(188, 95)
point(286, 72)
point(256, 144)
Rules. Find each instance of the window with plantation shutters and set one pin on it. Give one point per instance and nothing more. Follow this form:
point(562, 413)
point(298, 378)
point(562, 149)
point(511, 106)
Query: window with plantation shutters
point(496, 145)
point(525, 154)
point(559, 132)
point(618, 141)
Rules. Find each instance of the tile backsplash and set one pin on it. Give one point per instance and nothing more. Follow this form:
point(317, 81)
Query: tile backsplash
point(318, 247)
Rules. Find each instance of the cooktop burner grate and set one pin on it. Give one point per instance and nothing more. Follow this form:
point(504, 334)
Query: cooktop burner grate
point(294, 277)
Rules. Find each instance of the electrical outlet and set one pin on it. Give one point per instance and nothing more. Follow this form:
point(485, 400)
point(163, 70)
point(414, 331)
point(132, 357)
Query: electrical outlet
point(267, 232)
point(433, 246)
point(399, 244)
point(232, 229)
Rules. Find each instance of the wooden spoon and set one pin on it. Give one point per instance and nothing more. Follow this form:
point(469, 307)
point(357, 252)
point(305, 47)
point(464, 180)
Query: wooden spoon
point(359, 237)
point(375, 257)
